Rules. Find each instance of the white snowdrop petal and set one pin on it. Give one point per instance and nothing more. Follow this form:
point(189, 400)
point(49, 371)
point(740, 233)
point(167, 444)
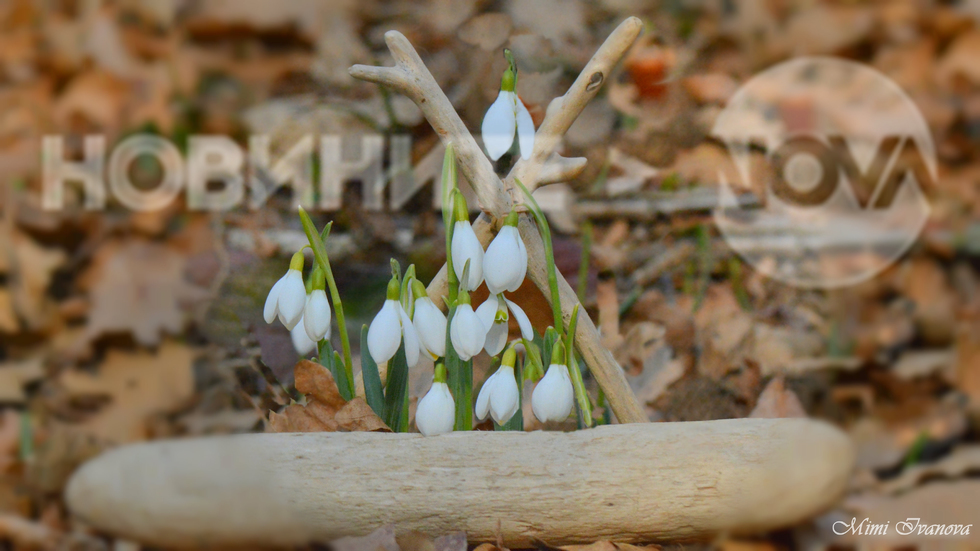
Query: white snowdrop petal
point(482, 408)
point(502, 268)
point(436, 412)
point(467, 332)
point(499, 124)
point(487, 311)
point(496, 338)
point(292, 299)
point(316, 315)
point(504, 397)
point(466, 246)
point(525, 129)
point(385, 334)
point(430, 324)
point(271, 309)
point(301, 341)
point(553, 397)
point(411, 338)
point(522, 264)
point(527, 331)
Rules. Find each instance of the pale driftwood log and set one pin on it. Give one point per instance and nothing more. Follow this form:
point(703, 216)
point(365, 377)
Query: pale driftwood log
point(411, 78)
point(628, 483)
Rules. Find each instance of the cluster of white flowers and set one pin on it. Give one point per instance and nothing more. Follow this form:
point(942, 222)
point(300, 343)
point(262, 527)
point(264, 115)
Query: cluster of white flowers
point(305, 314)
point(410, 320)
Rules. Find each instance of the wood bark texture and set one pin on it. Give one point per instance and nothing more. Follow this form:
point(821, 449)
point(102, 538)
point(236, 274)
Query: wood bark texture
point(627, 483)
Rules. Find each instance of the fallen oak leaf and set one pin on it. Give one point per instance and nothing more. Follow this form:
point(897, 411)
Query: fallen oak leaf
point(140, 287)
point(325, 410)
point(778, 401)
point(139, 385)
point(317, 382)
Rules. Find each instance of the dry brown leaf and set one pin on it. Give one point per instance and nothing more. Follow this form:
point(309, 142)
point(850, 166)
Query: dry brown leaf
point(34, 267)
point(139, 385)
point(962, 461)
point(489, 31)
point(139, 287)
point(325, 410)
point(414, 540)
point(916, 364)
point(14, 375)
point(27, 534)
point(960, 60)
point(382, 539)
point(724, 332)
point(10, 430)
point(8, 317)
point(318, 383)
point(608, 304)
point(778, 401)
point(710, 87)
point(97, 97)
point(968, 360)
point(925, 283)
point(825, 29)
point(742, 545)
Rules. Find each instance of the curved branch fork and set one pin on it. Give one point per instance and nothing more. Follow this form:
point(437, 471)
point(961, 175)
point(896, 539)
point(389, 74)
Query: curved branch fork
point(411, 78)
point(625, 483)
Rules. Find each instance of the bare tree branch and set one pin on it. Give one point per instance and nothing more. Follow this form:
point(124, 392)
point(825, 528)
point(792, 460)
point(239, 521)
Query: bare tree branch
point(410, 77)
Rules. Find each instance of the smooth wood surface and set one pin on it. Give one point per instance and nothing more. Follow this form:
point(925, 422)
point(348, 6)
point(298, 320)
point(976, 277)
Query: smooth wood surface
point(627, 483)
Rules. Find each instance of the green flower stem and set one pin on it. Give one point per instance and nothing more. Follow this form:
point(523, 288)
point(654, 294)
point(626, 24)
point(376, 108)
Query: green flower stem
point(320, 253)
point(581, 396)
point(549, 253)
point(459, 373)
point(450, 180)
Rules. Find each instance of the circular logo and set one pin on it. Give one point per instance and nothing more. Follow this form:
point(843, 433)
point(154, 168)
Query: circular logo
point(836, 157)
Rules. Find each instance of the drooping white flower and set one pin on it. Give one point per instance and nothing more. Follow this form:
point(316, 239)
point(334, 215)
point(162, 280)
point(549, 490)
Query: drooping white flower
point(316, 315)
point(506, 114)
point(505, 262)
point(493, 314)
point(287, 297)
point(301, 341)
point(430, 323)
point(553, 397)
point(390, 326)
point(499, 396)
point(467, 332)
point(436, 412)
point(466, 247)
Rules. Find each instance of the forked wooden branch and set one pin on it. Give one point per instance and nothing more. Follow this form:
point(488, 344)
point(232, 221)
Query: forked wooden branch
point(625, 483)
point(411, 78)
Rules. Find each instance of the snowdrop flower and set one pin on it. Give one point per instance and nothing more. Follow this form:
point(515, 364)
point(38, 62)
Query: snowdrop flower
point(389, 327)
point(466, 247)
point(288, 296)
point(316, 314)
point(505, 262)
point(553, 396)
point(505, 115)
point(499, 395)
point(430, 323)
point(301, 341)
point(493, 314)
point(436, 412)
point(467, 332)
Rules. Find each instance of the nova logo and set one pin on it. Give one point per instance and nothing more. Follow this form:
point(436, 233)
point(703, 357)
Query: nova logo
point(840, 157)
